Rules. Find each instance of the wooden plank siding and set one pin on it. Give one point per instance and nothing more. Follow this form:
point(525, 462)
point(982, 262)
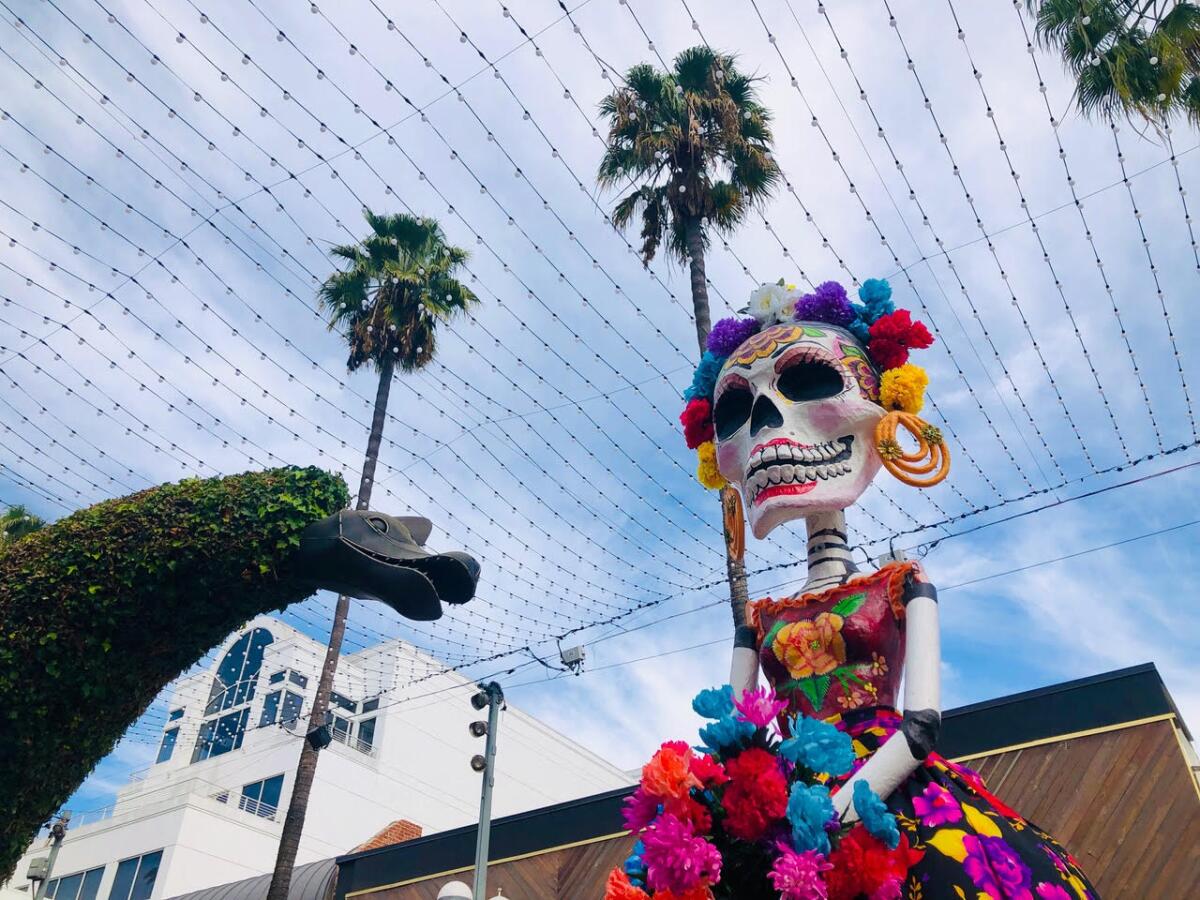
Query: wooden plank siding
point(1123, 801)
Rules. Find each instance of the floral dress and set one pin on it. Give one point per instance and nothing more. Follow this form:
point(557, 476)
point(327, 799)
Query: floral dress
point(837, 655)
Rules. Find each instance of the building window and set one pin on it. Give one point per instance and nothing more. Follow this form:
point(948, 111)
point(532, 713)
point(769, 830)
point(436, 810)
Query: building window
point(277, 677)
point(340, 728)
point(262, 797)
point(238, 672)
point(292, 705)
point(167, 747)
point(135, 877)
point(270, 710)
point(80, 886)
point(297, 679)
point(366, 735)
point(345, 703)
point(218, 736)
point(175, 714)
point(370, 705)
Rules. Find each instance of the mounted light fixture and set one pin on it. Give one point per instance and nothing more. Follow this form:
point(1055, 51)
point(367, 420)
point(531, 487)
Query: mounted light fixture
point(478, 763)
point(478, 729)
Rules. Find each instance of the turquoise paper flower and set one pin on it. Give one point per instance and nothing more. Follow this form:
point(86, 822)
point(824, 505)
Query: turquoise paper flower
point(714, 703)
point(818, 746)
point(809, 810)
point(880, 823)
point(726, 732)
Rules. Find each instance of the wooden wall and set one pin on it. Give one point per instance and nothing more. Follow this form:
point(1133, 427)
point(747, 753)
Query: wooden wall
point(1123, 801)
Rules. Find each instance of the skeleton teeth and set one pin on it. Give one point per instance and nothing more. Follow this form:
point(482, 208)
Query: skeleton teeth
point(787, 473)
point(760, 479)
point(785, 452)
point(775, 474)
point(810, 474)
point(768, 454)
point(822, 472)
point(845, 468)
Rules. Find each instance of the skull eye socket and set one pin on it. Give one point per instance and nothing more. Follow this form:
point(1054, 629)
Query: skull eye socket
point(810, 380)
point(732, 411)
point(378, 524)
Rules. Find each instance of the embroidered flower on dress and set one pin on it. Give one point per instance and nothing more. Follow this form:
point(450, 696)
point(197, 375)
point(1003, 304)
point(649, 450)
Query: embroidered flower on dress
point(811, 647)
point(854, 698)
point(936, 806)
point(995, 867)
point(879, 665)
point(1048, 891)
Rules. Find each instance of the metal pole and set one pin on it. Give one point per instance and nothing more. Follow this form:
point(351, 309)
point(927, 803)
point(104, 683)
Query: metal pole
point(495, 700)
point(57, 832)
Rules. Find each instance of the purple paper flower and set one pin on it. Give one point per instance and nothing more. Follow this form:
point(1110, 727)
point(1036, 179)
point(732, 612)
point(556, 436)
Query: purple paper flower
point(797, 876)
point(676, 858)
point(759, 706)
point(936, 806)
point(828, 303)
point(727, 335)
point(995, 868)
point(639, 810)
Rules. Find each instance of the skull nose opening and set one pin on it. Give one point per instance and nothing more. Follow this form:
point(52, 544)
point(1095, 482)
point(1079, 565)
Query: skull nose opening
point(764, 415)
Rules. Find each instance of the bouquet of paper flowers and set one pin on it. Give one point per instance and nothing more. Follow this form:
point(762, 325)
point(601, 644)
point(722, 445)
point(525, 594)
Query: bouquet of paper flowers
point(749, 814)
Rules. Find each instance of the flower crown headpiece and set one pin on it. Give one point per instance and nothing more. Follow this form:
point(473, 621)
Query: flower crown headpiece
point(887, 334)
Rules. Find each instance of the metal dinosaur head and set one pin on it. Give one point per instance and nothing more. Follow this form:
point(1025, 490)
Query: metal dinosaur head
point(373, 556)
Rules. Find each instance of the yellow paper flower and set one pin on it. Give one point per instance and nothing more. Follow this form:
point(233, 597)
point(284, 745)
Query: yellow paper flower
point(707, 471)
point(903, 388)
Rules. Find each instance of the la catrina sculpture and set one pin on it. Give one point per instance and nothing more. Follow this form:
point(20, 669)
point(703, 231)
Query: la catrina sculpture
point(101, 609)
point(798, 405)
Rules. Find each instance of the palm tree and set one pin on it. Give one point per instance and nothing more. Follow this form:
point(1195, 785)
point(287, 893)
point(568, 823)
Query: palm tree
point(18, 522)
point(398, 285)
point(694, 144)
point(1130, 57)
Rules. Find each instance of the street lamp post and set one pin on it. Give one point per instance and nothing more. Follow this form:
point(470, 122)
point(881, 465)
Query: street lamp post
point(491, 696)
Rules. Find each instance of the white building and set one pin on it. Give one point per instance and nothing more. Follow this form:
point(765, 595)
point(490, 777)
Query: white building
point(209, 811)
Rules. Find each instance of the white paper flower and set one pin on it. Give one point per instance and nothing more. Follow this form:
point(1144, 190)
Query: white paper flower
point(771, 303)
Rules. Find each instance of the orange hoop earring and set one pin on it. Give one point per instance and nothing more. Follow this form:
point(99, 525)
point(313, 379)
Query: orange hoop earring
point(931, 456)
point(735, 523)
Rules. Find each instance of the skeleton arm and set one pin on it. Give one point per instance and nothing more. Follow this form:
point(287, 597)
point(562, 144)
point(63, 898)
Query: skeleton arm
point(905, 750)
point(743, 670)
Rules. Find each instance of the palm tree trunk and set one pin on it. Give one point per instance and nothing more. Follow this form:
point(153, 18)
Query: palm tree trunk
point(306, 769)
point(735, 569)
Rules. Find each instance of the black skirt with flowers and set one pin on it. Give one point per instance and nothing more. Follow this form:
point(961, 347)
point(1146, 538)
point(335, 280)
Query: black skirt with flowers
point(970, 844)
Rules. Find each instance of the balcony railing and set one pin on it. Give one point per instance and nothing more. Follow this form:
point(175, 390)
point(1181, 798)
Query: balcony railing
point(250, 805)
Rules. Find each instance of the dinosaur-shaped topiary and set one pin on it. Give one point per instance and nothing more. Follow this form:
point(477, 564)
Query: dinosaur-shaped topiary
point(99, 611)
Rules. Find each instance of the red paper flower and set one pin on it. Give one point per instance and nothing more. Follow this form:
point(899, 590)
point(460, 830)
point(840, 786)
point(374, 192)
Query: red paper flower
point(757, 795)
point(710, 772)
point(864, 865)
point(893, 335)
point(697, 422)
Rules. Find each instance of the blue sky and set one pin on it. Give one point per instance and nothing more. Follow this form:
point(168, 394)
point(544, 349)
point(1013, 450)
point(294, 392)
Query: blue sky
point(544, 439)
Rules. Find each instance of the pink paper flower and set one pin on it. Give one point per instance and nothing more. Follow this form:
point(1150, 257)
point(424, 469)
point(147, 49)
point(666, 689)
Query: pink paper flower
point(936, 806)
point(797, 876)
point(676, 859)
point(759, 706)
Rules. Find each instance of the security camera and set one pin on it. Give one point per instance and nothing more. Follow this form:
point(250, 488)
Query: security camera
point(480, 700)
point(478, 763)
point(478, 729)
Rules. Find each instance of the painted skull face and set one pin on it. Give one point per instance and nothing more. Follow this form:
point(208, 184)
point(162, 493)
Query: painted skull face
point(795, 408)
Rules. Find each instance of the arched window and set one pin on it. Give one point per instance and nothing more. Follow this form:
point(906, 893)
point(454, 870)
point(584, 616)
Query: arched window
point(232, 689)
point(238, 672)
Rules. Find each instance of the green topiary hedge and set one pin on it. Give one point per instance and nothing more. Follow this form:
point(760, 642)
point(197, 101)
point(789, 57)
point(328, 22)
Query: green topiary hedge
point(101, 609)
